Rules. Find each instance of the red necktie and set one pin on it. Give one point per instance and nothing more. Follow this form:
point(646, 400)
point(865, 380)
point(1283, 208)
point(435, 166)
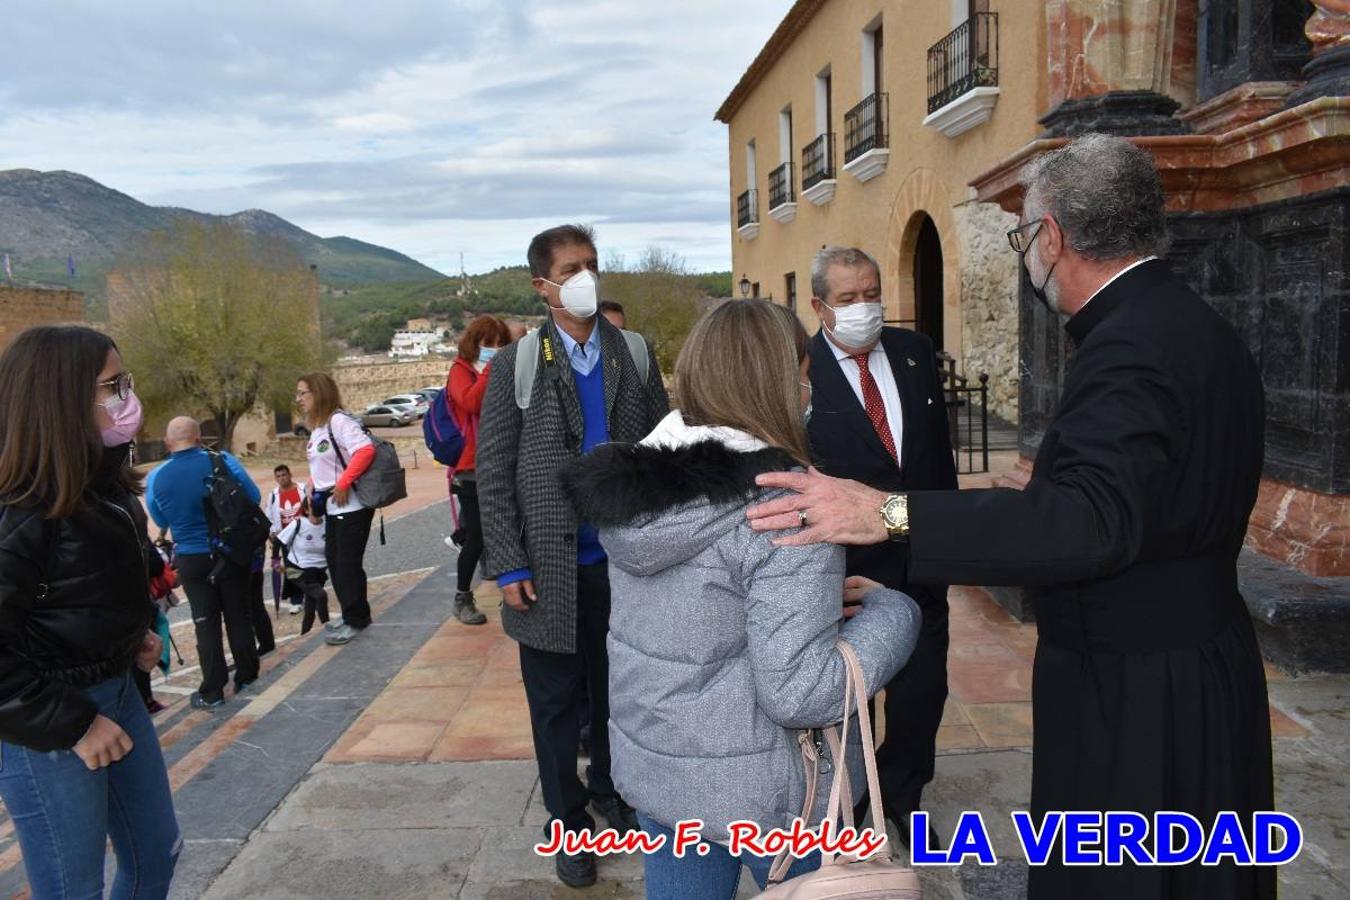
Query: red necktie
point(876, 408)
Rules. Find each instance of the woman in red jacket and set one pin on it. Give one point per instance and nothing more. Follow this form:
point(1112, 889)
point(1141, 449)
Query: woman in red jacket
point(465, 387)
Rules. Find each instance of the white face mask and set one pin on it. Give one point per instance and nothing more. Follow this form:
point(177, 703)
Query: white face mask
point(857, 325)
point(579, 294)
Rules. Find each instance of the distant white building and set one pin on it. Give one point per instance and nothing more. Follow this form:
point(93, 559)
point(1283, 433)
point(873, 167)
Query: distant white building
point(414, 344)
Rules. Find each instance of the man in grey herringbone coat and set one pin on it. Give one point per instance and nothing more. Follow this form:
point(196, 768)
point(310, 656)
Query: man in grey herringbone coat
point(587, 390)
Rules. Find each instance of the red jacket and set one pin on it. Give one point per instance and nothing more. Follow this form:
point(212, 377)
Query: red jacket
point(466, 388)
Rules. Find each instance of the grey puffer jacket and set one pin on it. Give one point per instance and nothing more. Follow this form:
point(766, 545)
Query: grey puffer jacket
point(721, 645)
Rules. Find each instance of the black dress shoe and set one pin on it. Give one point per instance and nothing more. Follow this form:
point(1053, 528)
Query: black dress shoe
point(618, 814)
point(575, 869)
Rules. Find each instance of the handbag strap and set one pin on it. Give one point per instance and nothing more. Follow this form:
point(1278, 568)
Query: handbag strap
point(811, 766)
point(868, 742)
point(841, 792)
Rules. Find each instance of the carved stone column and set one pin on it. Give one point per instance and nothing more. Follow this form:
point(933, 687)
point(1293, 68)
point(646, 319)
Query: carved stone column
point(1111, 67)
point(1328, 74)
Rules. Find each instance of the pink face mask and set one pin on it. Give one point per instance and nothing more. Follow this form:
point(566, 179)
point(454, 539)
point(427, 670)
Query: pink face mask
point(126, 418)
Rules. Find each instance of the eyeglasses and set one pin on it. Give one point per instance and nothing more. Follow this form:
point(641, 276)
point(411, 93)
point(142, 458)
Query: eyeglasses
point(1018, 239)
point(300, 395)
point(122, 385)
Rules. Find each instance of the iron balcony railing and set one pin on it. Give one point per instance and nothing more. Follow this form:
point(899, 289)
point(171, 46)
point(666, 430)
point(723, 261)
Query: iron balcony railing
point(818, 161)
point(963, 60)
point(780, 186)
point(747, 208)
point(865, 127)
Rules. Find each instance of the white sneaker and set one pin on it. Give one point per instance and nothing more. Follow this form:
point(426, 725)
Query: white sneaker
point(333, 624)
point(296, 609)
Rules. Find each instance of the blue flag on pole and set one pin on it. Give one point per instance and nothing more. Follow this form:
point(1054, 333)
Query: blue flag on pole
point(9, 273)
point(70, 265)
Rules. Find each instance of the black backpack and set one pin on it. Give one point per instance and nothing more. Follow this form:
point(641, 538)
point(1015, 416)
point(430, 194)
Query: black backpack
point(239, 527)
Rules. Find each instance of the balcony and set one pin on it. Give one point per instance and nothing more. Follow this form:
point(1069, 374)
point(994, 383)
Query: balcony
point(866, 138)
point(747, 214)
point(963, 76)
point(818, 175)
point(782, 197)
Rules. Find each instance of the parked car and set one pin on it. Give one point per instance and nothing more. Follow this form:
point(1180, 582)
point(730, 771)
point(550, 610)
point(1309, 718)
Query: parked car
point(384, 416)
point(429, 393)
point(415, 404)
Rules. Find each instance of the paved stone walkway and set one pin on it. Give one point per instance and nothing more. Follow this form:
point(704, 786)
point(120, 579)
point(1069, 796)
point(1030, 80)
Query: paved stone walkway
point(401, 766)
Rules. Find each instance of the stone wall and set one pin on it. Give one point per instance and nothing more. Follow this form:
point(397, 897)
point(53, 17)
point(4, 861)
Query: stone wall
point(989, 281)
point(22, 308)
point(370, 381)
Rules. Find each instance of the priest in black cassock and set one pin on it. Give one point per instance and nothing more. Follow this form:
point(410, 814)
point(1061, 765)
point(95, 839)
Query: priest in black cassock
point(1149, 693)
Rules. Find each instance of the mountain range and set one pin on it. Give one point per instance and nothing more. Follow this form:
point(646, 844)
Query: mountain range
point(46, 217)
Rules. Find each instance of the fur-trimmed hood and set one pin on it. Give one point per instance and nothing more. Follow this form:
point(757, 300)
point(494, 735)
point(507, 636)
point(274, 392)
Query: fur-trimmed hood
point(661, 502)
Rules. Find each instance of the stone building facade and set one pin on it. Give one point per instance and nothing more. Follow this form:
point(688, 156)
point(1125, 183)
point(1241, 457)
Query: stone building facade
point(1245, 107)
point(24, 307)
point(862, 123)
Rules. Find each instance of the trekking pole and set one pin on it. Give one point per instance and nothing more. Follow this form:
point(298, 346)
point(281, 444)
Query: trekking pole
point(176, 651)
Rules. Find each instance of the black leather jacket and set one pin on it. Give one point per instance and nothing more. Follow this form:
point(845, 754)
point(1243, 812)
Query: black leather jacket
point(74, 607)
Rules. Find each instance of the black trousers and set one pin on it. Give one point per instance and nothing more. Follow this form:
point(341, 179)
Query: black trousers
point(915, 698)
point(226, 598)
point(258, 615)
point(556, 684)
point(471, 528)
point(309, 584)
point(345, 538)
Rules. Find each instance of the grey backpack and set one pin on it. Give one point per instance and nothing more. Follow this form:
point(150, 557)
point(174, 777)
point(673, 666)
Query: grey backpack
point(527, 362)
point(384, 482)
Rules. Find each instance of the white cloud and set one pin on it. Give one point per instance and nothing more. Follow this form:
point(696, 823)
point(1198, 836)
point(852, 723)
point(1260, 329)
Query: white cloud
point(426, 126)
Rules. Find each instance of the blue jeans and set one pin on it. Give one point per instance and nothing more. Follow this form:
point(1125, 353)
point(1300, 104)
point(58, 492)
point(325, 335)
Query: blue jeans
point(64, 813)
point(712, 877)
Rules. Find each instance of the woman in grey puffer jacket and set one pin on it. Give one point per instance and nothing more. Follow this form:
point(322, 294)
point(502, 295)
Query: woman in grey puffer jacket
point(721, 645)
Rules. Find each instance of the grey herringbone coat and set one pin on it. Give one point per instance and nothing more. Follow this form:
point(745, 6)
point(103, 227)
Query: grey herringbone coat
point(527, 522)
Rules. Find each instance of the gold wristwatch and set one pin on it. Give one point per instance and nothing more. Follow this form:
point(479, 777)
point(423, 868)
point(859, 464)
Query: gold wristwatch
point(895, 516)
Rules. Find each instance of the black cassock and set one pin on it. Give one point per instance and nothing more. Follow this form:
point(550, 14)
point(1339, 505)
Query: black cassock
point(1148, 692)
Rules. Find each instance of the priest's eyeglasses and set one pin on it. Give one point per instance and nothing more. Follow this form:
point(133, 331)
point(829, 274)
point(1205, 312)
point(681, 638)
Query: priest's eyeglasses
point(122, 385)
point(1019, 239)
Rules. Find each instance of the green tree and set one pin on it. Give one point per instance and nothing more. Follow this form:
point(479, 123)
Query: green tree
point(659, 299)
point(214, 320)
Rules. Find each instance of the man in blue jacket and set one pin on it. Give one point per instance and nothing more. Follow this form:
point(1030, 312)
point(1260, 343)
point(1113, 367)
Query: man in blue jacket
point(175, 495)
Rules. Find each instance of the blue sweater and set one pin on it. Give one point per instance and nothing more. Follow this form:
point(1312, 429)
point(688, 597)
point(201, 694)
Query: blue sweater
point(175, 492)
point(591, 395)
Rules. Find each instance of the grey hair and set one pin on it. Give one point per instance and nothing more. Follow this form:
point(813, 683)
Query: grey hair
point(1105, 194)
point(834, 255)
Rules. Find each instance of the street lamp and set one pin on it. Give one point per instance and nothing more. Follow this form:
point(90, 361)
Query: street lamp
point(744, 285)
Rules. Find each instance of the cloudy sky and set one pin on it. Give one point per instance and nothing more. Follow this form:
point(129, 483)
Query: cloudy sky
point(429, 126)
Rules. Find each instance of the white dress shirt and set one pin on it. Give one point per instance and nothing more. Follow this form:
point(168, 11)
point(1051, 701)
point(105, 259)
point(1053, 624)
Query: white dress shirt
point(879, 365)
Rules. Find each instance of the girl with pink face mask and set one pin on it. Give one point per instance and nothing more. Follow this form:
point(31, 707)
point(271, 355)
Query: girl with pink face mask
point(80, 762)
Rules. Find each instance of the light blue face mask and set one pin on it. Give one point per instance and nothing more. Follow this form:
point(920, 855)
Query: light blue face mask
point(485, 354)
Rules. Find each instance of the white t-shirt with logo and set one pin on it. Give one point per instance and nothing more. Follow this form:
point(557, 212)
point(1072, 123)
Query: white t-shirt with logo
point(324, 466)
point(304, 544)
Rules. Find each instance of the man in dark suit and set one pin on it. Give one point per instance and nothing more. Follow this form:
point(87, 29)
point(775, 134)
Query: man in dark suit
point(1149, 692)
point(555, 394)
point(878, 417)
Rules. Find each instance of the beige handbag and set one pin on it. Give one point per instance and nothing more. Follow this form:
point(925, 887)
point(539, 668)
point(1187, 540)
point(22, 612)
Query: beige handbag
point(842, 877)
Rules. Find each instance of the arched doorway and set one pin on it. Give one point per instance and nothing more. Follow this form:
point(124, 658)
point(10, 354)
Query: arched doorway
point(928, 303)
